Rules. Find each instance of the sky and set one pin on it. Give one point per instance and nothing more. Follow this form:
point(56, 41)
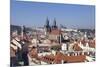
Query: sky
point(36, 13)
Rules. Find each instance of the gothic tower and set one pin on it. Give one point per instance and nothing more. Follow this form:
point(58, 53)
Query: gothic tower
point(47, 26)
point(54, 26)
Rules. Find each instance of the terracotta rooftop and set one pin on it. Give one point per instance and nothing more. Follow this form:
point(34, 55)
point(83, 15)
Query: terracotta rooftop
point(71, 59)
point(55, 32)
point(77, 48)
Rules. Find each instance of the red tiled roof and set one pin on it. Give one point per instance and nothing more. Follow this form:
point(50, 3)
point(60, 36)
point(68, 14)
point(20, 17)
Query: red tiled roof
point(55, 32)
point(92, 44)
point(77, 48)
point(71, 59)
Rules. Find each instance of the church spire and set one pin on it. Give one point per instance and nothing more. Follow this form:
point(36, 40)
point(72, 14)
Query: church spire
point(47, 26)
point(47, 22)
point(54, 24)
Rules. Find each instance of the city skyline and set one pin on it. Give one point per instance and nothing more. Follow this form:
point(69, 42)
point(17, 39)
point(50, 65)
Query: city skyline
point(36, 13)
